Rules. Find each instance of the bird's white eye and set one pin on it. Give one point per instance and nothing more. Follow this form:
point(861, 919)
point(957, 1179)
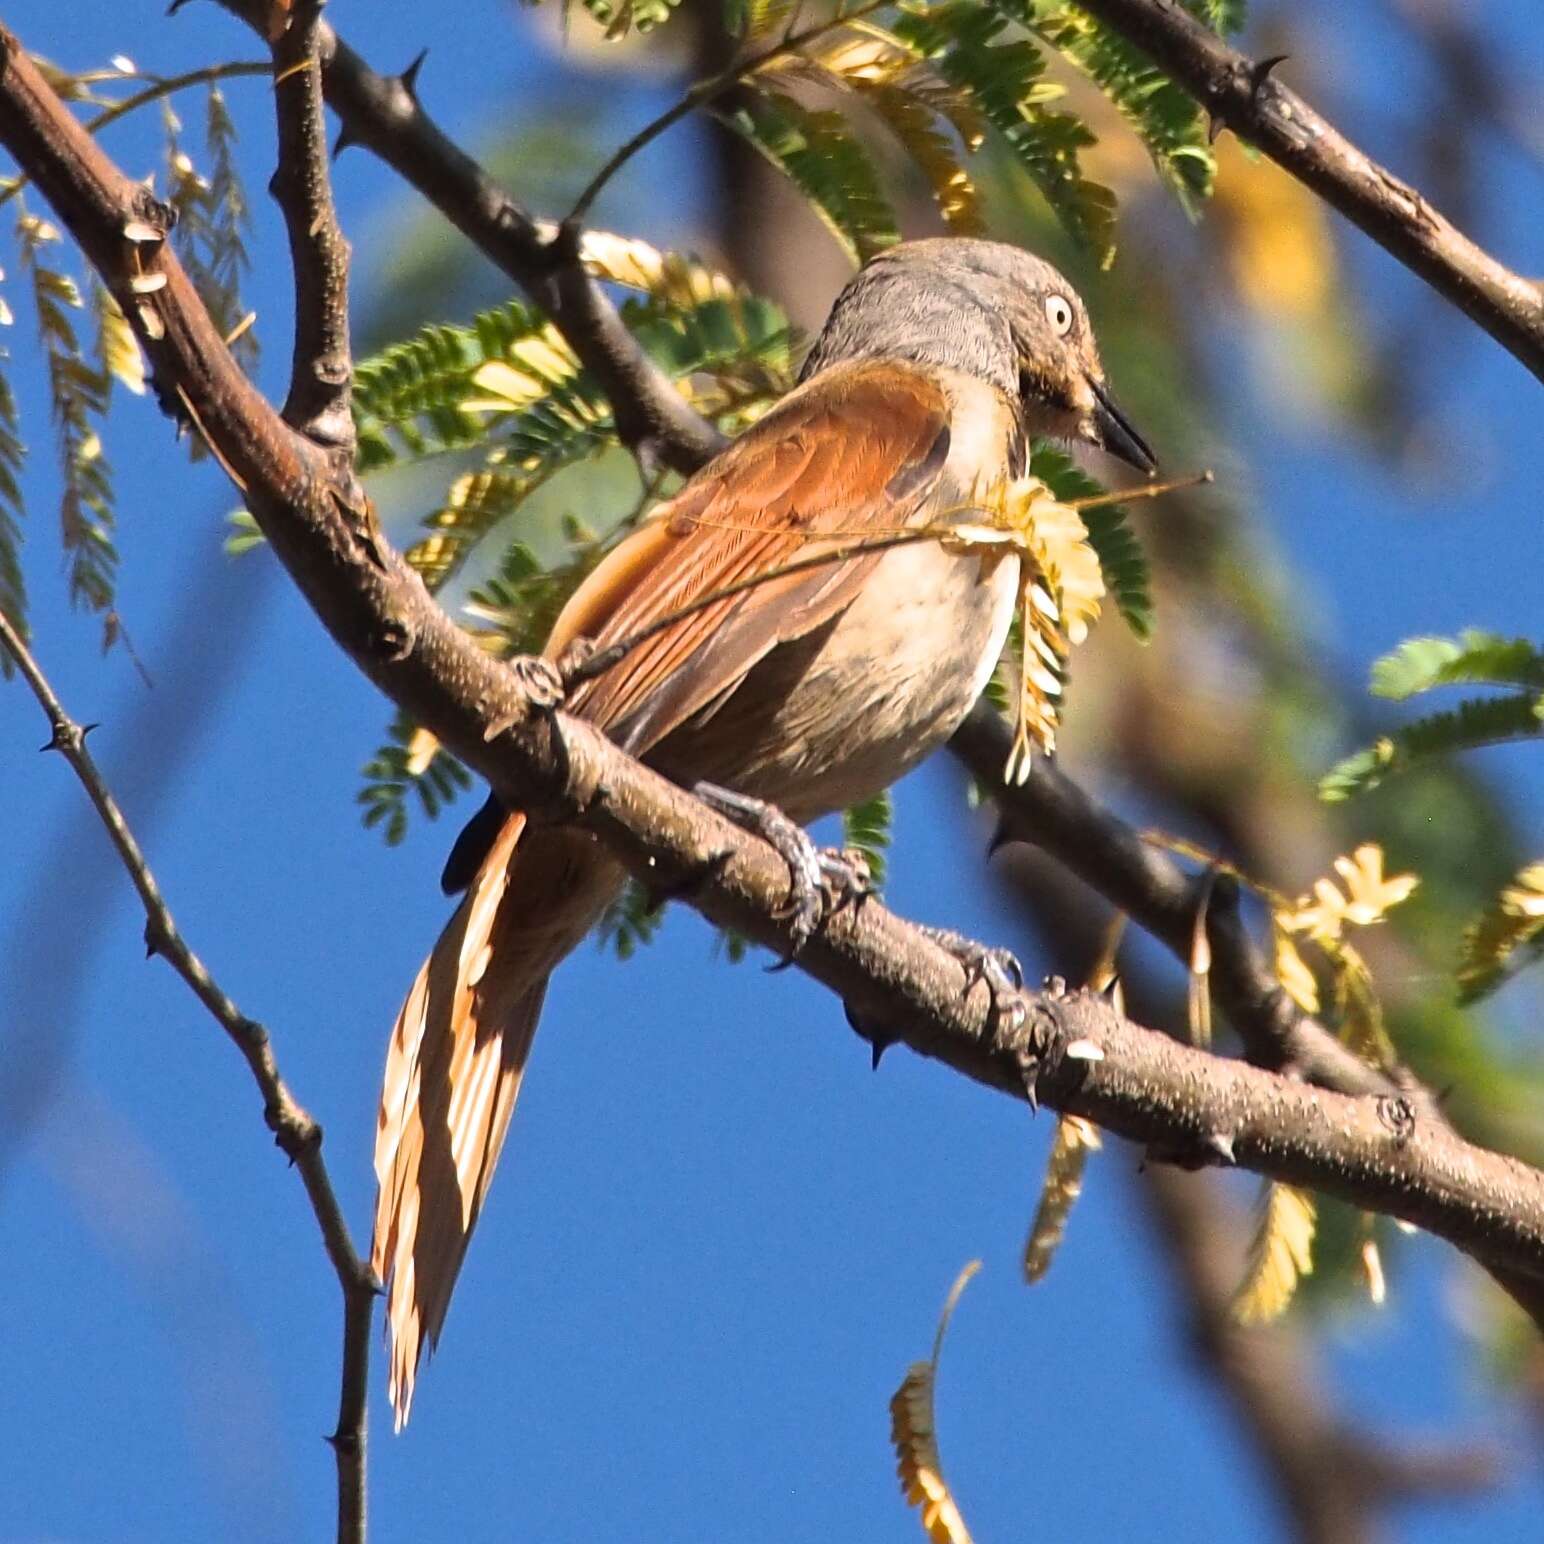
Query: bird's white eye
point(1058, 312)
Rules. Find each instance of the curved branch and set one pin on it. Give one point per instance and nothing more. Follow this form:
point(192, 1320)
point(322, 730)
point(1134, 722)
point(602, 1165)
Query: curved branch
point(1053, 813)
point(1243, 94)
point(383, 114)
point(1075, 1051)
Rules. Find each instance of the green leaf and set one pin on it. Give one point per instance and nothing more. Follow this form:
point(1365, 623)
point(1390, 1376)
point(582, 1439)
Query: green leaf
point(1473, 658)
point(1475, 722)
point(1121, 559)
point(392, 774)
point(245, 534)
point(820, 154)
point(626, 16)
point(866, 827)
point(79, 398)
point(506, 384)
point(630, 922)
point(517, 606)
point(1005, 82)
point(1164, 115)
point(1222, 16)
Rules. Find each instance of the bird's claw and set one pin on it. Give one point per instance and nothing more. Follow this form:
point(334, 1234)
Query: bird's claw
point(999, 969)
point(819, 882)
point(845, 877)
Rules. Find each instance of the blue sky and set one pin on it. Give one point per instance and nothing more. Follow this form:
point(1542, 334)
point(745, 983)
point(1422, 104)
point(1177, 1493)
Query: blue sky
point(719, 1239)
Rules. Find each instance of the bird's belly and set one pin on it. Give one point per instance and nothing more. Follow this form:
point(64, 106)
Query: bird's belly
point(831, 719)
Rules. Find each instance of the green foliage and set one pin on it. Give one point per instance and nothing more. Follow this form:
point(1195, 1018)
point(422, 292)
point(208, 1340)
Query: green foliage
point(395, 772)
point(507, 386)
point(1419, 665)
point(1475, 722)
point(79, 394)
point(1164, 115)
point(866, 829)
point(213, 217)
point(630, 922)
point(1222, 16)
point(1004, 82)
point(1121, 559)
point(517, 606)
point(13, 589)
point(630, 15)
point(819, 152)
point(1474, 658)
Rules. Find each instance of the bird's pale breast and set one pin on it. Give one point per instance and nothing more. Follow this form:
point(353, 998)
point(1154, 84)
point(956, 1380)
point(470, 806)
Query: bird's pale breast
point(831, 719)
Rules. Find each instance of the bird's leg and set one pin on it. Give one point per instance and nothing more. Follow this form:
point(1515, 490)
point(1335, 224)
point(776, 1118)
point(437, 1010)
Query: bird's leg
point(818, 881)
point(998, 968)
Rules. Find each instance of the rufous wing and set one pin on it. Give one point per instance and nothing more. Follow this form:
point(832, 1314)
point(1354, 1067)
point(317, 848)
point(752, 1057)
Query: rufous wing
point(854, 452)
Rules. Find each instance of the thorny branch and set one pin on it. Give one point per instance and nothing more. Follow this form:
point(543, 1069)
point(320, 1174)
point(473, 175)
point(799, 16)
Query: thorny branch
point(1073, 1051)
point(1243, 94)
point(383, 114)
point(1053, 813)
point(297, 1134)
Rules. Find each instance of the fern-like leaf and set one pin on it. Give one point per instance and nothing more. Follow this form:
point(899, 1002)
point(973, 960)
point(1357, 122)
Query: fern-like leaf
point(630, 922)
point(866, 828)
point(79, 394)
point(1280, 1254)
point(1474, 658)
point(213, 218)
point(1006, 83)
point(914, 1433)
point(395, 773)
point(1164, 115)
point(1506, 936)
point(1476, 722)
point(1121, 559)
point(825, 160)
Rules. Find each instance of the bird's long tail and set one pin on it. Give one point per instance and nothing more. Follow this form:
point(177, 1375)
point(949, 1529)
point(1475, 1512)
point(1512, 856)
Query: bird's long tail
point(455, 1063)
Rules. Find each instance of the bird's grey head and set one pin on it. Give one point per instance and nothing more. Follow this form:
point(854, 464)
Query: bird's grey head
point(993, 311)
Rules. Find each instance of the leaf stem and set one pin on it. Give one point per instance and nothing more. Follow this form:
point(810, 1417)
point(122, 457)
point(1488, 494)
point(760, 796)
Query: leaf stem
point(705, 91)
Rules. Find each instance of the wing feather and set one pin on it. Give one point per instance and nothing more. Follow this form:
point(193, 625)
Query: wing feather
point(857, 449)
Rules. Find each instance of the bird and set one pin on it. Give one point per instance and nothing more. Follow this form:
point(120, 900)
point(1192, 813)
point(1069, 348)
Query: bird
point(941, 362)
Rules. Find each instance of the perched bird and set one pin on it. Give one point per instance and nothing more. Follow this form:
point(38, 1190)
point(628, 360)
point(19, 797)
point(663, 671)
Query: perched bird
point(940, 362)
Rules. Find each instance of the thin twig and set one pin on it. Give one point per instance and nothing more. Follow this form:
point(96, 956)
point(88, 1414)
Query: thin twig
point(297, 1134)
point(704, 92)
point(160, 87)
point(382, 113)
point(1243, 94)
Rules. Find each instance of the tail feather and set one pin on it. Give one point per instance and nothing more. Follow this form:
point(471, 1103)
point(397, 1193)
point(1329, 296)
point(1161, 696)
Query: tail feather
point(454, 1067)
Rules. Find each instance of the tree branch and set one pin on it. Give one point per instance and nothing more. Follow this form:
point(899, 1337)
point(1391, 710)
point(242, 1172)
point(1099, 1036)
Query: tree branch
point(1074, 1051)
point(322, 373)
point(1243, 94)
point(383, 114)
point(298, 1136)
point(1053, 813)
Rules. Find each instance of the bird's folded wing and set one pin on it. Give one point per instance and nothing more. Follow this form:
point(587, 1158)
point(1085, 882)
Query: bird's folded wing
point(857, 450)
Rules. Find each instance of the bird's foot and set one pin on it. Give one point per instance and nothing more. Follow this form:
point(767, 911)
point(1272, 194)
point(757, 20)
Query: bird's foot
point(998, 968)
point(819, 882)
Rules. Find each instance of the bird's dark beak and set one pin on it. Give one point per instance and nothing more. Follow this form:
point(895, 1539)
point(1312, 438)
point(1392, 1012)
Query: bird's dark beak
point(1114, 432)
